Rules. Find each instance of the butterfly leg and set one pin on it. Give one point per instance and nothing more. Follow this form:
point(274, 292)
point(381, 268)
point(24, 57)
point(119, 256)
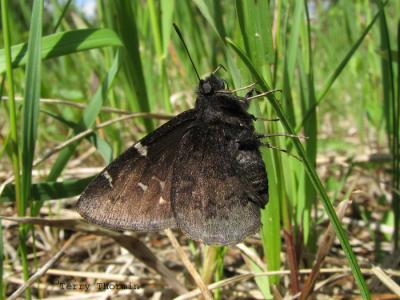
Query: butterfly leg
point(265, 119)
point(250, 93)
point(259, 95)
point(268, 145)
point(250, 86)
point(261, 136)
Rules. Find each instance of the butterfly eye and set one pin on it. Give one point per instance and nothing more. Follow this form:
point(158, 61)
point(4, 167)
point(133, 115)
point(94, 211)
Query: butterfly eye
point(206, 88)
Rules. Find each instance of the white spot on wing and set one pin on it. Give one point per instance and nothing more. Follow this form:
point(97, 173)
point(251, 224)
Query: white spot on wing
point(162, 200)
point(141, 149)
point(143, 186)
point(162, 184)
point(109, 178)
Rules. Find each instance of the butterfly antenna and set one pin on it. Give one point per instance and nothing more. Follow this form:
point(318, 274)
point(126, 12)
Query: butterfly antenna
point(220, 66)
point(186, 48)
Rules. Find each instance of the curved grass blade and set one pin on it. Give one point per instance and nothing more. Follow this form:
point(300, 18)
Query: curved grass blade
point(332, 78)
point(101, 145)
point(202, 6)
point(49, 190)
point(88, 118)
point(127, 25)
point(61, 17)
point(64, 43)
point(311, 173)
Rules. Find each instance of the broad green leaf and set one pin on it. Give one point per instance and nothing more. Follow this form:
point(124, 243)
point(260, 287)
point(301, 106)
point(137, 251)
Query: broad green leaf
point(64, 43)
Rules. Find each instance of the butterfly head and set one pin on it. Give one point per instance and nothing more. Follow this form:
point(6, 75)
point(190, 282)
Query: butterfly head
point(210, 85)
point(216, 104)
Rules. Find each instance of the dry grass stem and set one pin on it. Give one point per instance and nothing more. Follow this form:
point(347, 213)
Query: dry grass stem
point(44, 268)
point(386, 280)
point(83, 106)
point(189, 266)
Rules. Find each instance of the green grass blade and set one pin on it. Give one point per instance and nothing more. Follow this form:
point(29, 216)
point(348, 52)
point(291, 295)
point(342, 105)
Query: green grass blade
point(396, 137)
point(160, 44)
point(49, 190)
point(332, 78)
point(88, 118)
point(31, 101)
point(13, 138)
point(155, 27)
point(93, 109)
point(101, 145)
point(63, 12)
point(261, 281)
point(127, 27)
point(167, 13)
point(218, 16)
point(205, 11)
point(256, 32)
point(311, 173)
point(293, 45)
point(219, 269)
point(14, 147)
point(396, 141)
point(64, 43)
point(310, 127)
point(30, 120)
point(2, 290)
point(254, 24)
point(391, 116)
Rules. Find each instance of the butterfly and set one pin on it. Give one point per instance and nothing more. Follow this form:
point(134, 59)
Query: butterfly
point(201, 172)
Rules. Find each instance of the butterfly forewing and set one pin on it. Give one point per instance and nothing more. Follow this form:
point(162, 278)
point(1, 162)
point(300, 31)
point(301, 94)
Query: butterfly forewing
point(202, 172)
point(134, 191)
point(212, 200)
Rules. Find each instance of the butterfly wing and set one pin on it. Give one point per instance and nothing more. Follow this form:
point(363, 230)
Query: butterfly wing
point(214, 196)
point(133, 192)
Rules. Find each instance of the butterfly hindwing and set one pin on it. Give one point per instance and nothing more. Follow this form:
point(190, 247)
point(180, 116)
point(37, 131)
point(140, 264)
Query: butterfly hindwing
point(133, 192)
point(212, 199)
